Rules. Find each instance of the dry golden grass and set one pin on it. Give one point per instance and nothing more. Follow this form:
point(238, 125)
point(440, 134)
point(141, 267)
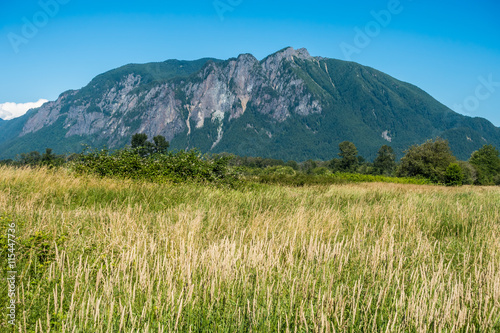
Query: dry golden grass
point(124, 256)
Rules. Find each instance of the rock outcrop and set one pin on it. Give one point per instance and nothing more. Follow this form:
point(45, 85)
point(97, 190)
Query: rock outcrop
point(289, 105)
point(220, 90)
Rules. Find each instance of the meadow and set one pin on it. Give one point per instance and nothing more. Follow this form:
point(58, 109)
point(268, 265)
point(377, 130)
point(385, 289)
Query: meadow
point(113, 255)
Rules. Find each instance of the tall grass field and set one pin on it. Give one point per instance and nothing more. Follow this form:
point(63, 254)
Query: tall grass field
point(108, 255)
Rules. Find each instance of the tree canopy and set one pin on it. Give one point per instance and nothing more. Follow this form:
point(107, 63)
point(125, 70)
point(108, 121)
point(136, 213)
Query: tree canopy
point(144, 148)
point(385, 162)
point(429, 160)
point(349, 156)
point(487, 163)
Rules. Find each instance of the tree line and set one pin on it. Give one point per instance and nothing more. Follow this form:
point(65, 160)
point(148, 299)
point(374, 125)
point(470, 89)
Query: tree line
point(432, 160)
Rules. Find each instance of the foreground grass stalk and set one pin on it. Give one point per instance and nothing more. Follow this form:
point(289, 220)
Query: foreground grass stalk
point(104, 255)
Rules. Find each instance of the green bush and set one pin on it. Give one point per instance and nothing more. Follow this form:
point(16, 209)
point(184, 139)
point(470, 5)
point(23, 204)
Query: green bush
point(359, 178)
point(302, 178)
point(454, 175)
point(177, 167)
point(280, 170)
point(320, 171)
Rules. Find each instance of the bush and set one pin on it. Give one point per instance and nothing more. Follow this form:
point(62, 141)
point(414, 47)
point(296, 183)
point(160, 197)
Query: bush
point(279, 170)
point(320, 171)
point(35, 159)
point(454, 175)
point(359, 178)
point(177, 167)
point(302, 179)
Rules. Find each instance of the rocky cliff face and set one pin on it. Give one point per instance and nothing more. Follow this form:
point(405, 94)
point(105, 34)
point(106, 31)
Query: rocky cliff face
point(219, 91)
point(289, 105)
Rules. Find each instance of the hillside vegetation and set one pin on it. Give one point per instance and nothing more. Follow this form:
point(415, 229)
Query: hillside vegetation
point(290, 106)
point(117, 255)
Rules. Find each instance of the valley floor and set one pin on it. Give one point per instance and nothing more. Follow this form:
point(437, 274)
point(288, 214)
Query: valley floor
point(104, 255)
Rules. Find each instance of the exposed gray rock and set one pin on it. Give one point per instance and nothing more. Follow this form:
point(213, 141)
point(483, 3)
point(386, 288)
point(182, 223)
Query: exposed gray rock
point(289, 105)
point(225, 88)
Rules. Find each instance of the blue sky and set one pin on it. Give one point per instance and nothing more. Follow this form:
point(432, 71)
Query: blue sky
point(451, 49)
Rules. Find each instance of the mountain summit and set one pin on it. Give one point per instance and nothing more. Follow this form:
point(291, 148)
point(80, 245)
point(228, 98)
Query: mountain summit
point(290, 105)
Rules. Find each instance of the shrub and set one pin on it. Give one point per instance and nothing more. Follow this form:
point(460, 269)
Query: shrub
point(279, 170)
point(359, 178)
point(177, 167)
point(320, 171)
point(454, 175)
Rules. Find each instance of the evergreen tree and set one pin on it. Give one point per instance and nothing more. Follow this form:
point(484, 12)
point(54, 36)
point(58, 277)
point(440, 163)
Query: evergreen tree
point(31, 158)
point(139, 140)
point(48, 157)
point(145, 148)
point(385, 162)
point(349, 156)
point(161, 144)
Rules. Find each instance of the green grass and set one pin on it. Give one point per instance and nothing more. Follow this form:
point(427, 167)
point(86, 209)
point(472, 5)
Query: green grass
point(359, 178)
point(118, 255)
point(302, 179)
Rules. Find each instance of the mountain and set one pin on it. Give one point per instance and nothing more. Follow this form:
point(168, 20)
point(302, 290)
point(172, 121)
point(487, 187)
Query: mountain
point(289, 105)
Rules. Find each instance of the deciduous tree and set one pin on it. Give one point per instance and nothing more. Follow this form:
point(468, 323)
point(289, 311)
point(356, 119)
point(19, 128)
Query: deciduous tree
point(487, 163)
point(429, 160)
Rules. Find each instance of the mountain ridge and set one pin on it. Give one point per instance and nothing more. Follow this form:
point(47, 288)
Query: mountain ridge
point(289, 105)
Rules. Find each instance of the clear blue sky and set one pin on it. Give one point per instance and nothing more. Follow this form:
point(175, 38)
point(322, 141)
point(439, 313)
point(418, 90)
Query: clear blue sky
point(443, 47)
